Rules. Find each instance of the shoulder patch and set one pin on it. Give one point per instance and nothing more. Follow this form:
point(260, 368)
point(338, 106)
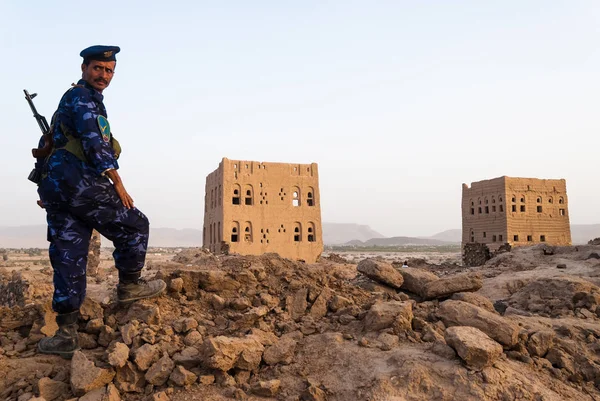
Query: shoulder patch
point(104, 128)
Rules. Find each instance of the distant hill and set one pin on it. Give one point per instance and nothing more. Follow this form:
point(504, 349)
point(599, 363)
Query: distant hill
point(340, 233)
point(580, 234)
point(394, 241)
point(35, 237)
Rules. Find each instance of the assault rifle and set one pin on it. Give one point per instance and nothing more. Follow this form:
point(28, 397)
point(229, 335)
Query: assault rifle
point(39, 153)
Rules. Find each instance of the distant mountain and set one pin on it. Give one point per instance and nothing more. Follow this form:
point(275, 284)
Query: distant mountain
point(340, 233)
point(580, 234)
point(35, 237)
point(394, 241)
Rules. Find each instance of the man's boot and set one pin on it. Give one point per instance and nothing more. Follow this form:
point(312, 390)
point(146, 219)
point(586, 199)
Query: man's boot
point(64, 342)
point(132, 288)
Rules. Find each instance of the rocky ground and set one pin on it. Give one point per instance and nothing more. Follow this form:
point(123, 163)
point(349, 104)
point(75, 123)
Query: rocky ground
point(522, 327)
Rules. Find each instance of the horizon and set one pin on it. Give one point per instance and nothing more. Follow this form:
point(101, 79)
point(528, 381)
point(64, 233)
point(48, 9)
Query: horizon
point(398, 103)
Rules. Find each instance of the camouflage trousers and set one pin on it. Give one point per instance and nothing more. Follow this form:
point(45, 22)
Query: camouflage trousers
point(70, 225)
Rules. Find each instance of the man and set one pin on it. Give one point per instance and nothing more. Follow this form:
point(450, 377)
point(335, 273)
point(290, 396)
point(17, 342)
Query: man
point(81, 190)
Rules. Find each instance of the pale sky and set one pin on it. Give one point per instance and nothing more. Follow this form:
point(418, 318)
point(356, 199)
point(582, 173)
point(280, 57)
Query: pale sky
point(399, 102)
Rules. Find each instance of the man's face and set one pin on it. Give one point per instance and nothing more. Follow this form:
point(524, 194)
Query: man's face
point(98, 73)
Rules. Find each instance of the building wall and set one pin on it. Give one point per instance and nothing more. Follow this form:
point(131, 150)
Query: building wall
point(520, 211)
point(541, 212)
point(484, 212)
point(265, 207)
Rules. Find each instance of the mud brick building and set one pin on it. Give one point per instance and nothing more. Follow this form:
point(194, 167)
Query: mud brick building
point(253, 208)
point(518, 211)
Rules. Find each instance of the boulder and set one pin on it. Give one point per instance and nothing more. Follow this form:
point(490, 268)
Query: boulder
point(474, 299)
point(224, 353)
point(159, 373)
point(473, 346)
point(280, 352)
point(459, 313)
point(445, 287)
point(384, 314)
point(85, 376)
point(415, 279)
point(52, 389)
point(381, 271)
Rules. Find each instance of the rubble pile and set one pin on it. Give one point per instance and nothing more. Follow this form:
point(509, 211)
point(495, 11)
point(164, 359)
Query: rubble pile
point(475, 254)
point(263, 327)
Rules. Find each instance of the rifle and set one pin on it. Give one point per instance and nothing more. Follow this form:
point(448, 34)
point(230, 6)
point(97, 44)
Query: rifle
point(39, 153)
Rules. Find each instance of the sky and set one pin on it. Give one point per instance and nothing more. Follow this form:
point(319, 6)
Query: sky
point(399, 102)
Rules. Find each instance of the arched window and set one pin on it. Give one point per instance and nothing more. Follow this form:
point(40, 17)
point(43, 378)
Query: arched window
point(311, 232)
point(237, 194)
point(550, 200)
point(235, 231)
point(539, 199)
point(248, 232)
point(248, 195)
point(310, 196)
point(297, 232)
point(561, 200)
point(295, 196)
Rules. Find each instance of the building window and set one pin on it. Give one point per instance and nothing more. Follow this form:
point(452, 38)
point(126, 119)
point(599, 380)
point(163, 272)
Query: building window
point(311, 232)
point(539, 199)
point(295, 196)
point(501, 208)
point(514, 208)
point(248, 199)
point(472, 211)
point(297, 232)
point(248, 232)
point(522, 199)
point(220, 198)
point(487, 210)
point(529, 238)
point(561, 212)
point(486, 201)
point(500, 199)
point(234, 234)
point(236, 197)
point(493, 200)
point(479, 210)
point(493, 238)
point(539, 209)
point(516, 238)
point(561, 200)
point(500, 238)
point(484, 234)
point(494, 208)
point(310, 200)
point(472, 236)
point(550, 200)
point(522, 208)
point(514, 199)
point(542, 238)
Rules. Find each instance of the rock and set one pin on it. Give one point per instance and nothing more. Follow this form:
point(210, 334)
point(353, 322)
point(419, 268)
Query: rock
point(94, 326)
point(107, 335)
point(560, 359)
point(85, 376)
point(147, 313)
point(540, 342)
point(313, 393)
point(112, 394)
point(280, 352)
point(217, 302)
point(473, 346)
point(182, 377)
point(297, 304)
point(94, 395)
point(130, 379)
point(224, 353)
point(475, 299)
point(561, 266)
point(160, 396)
point(442, 349)
point(383, 315)
point(217, 281)
point(339, 302)
point(381, 271)
point(117, 354)
point(266, 388)
point(91, 309)
point(176, 285)
point(184, 325)
point(415, 279)
point(445, 287)
point(51, 389)
point(319, 306)
point(192, 338)
point(459, 313)
point(87, 341)
point(189, 357)
point(129, 331)
point(159, 373)
point(27, 397)
point(145, 356)
point(206, 380)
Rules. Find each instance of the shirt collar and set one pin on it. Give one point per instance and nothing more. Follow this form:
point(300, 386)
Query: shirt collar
point(95, 94)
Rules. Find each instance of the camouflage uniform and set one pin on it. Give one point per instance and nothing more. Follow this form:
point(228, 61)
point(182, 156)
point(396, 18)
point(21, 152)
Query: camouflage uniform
point(78, 198)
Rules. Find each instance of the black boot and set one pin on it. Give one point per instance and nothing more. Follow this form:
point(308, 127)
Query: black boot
point(64, 342)
point(132, 288)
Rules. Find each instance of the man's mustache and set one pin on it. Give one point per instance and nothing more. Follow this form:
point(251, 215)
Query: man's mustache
point(101, 80)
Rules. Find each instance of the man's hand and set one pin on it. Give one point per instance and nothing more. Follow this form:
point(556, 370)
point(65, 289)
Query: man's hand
point(40, 203)
point(119, 188)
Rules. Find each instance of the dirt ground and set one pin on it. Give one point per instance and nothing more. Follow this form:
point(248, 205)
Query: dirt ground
point(266, 328)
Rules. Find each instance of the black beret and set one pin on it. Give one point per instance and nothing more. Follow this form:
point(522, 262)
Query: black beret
point(100, 53)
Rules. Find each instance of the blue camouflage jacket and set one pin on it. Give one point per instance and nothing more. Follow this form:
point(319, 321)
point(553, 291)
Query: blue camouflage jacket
point(81, 114)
